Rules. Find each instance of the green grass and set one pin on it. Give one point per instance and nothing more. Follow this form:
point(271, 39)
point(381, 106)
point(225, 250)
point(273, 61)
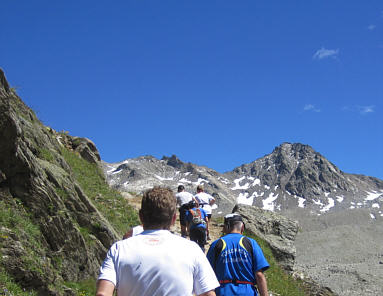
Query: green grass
point(15, 221)
point(83, 288)
point(278, 281)
point(107, 200)
point(14, 217)
point(46, 154)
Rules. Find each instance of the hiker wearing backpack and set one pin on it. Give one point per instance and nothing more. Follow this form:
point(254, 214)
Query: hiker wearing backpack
point(197, 220)
point(205, 202)
point(183, 199)
point(238, 261)
point(156, 262)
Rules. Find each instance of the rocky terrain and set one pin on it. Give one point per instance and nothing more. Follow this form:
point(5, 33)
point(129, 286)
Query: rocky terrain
point(50, 232)
point(341, 217)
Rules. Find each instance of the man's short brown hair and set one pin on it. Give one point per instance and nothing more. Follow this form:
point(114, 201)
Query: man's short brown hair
point(158, 206)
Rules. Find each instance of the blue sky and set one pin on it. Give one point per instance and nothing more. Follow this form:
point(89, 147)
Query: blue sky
point(218, 83)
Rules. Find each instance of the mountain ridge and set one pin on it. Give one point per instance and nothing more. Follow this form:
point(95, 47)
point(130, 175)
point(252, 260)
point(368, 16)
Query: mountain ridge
point(292, 175)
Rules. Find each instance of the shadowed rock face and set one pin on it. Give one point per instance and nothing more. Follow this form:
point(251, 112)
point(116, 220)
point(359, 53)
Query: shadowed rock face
point(46, 193)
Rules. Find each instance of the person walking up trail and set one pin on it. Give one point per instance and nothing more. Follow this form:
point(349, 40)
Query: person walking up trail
point(183, 199)
point(238, 261)
point(205, 201)
point(196, 220)
point(156, 262)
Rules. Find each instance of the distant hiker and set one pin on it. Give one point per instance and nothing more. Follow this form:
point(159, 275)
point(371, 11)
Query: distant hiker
point(156, 262)
point(133, 231)
point(183, 199)
point(197, 220)
point(205, 201)
point(238, 261)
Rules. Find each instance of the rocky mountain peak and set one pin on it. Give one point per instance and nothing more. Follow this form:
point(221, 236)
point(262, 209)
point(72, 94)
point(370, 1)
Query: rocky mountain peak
point(173, 161)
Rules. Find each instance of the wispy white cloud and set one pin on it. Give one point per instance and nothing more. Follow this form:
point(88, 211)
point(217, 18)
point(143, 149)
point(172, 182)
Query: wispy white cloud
point(325, 53)
point(363, 110)
point(366, 109)
point(310, 107)
point(371, 27)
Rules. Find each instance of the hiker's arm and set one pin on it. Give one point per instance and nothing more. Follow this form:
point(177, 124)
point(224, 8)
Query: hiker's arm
point(261, 283)
point(210, 293)
point(104, 288)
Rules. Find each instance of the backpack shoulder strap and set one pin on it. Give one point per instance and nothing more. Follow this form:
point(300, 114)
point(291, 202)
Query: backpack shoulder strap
point(245, 243)
point(218, 248)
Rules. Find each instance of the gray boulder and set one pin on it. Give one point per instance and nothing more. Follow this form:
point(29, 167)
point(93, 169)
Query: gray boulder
point(87, 149)
point(278, 231)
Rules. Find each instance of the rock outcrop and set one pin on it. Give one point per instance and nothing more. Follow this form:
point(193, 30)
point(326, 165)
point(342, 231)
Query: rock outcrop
point(54, 232)
point(278, 231)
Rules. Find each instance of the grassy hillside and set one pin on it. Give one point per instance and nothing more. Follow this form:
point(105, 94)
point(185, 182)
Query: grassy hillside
point(107, 200)
point(16, 221)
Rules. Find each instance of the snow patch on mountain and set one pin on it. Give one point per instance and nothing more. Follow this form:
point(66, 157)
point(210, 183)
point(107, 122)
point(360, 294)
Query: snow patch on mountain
point(330, 204)
point(243, 198)
point(301, 201)
point(183, 180)
point(164, 178)
point(373, 195)
point(268, 203)
point(238, 186)
point(200, 181)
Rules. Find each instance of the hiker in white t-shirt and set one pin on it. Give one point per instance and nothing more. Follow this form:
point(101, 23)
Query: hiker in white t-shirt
point(183, 200)
point(156, 262)
point(205, 201)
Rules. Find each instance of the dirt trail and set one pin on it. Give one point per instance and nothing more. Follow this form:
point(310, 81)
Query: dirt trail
point(214, 229)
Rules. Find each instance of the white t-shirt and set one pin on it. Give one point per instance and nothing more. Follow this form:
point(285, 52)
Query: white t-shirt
point(204, 199)
point(158, 263)
point(137, 230)
point(183, 197)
